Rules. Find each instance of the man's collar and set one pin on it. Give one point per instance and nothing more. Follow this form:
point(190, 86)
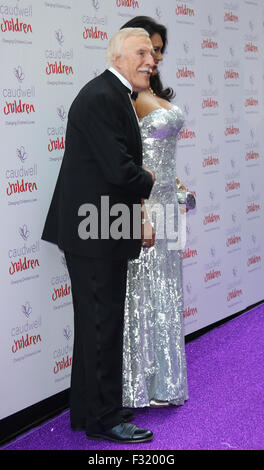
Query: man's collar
point(121, 78)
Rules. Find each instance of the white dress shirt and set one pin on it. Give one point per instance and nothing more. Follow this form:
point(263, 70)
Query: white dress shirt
point(126, 83)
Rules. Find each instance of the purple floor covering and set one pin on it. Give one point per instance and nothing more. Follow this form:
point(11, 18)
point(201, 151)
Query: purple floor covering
point(225, 409)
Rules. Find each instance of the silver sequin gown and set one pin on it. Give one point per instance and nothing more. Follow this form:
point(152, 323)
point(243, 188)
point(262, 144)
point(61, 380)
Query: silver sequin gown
point(154, 363)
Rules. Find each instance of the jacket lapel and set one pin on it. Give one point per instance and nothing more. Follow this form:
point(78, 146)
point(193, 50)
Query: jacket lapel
point(118, 85)
point(135, 123)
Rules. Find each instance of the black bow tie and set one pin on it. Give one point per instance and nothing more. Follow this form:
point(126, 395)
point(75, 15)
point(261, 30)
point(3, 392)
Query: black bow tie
point(134, 95)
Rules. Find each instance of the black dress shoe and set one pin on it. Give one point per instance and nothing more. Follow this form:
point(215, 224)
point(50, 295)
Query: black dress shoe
point(123, 433)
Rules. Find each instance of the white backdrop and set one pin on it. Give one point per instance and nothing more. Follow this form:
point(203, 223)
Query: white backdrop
point(214, 62)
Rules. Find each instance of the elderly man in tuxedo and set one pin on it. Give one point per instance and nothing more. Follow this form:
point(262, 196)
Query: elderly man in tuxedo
point(101, 173)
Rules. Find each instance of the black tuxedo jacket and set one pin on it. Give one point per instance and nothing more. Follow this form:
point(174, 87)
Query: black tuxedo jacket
point(103, 157)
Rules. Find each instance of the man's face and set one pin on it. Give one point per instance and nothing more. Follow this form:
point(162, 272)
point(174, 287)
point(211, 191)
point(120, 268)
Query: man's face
point(136, 61)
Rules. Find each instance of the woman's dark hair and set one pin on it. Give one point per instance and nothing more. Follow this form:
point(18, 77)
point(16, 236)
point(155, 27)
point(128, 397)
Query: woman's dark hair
point(152, 27)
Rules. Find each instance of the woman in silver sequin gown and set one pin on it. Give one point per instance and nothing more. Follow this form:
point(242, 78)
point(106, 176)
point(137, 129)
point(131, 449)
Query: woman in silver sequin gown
point(154, 365)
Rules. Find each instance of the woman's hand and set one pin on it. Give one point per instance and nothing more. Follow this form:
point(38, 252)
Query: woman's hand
point(183, 208)
point(180, 185)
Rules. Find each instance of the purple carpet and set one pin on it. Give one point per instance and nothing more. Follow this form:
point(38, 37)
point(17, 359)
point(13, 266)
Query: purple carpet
point(225, 409)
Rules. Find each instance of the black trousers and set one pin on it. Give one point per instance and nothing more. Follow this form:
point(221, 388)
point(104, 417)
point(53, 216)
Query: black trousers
point(98, 292)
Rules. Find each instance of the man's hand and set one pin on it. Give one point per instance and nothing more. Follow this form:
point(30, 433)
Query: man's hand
point(147, 234)
point(151, 172)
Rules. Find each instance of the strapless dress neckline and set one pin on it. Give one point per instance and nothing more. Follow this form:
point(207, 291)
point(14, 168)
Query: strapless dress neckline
point(157, 110)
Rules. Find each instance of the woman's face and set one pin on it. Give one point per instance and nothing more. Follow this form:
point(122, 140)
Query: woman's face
point(157, 46)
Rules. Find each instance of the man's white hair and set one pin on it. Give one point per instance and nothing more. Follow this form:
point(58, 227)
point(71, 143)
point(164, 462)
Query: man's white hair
point(115, 45)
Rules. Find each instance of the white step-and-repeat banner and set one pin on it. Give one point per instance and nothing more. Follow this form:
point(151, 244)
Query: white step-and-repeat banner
point(214, 62)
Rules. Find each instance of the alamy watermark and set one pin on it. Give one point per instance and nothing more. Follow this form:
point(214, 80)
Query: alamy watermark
point(163, 217)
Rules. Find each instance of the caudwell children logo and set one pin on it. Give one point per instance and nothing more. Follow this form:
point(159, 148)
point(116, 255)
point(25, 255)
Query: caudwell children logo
point(18, 98)
point(231, 65)
point(231, 15)
point(187, 135)
point(25, 335)
point(185, 12)
point(209, 41)
point(133, 4)
point(233, 233)
point(253, 204)
point(24, 257)
point(251, 39)
point(210, 96)
point(94, 27)
point(234, 287)
point(16, 19)
point(59, 59)
point(254, 253)
point(211, 211)
point(252, 149)
point(210, 154)
point(56, 133)
point(63, 355)
point(191, 298)
point(212, 270)
point(232, 123)
point(251, 102)
point(232, 177)
point(21, 179)
point(185, 63)
point(61, 287)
